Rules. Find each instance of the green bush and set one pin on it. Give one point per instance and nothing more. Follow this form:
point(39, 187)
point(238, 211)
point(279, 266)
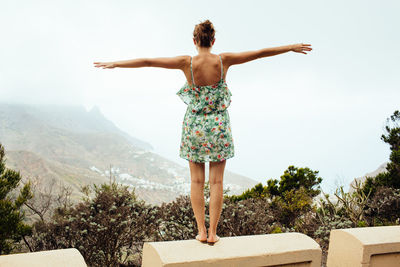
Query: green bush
point(107, 229)
point(292, 204)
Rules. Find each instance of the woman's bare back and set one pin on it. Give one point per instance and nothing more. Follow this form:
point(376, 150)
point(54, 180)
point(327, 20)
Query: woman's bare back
point(206, 69)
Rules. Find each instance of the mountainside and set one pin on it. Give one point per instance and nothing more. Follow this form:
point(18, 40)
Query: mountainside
point(381, 168)
point(78, 147)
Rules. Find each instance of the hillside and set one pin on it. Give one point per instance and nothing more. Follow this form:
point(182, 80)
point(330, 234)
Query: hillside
point(78, 147)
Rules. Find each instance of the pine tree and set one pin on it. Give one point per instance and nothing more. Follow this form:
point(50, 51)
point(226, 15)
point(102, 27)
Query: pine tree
point(12, 227)
point(391, 177)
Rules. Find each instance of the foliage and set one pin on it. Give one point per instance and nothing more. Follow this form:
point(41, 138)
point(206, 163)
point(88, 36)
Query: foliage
point(354, 203)
point(329, 215)
point(391, 177)
point(293, 178)
point(328, 223)
point(87, 225)
point(290, 205)
point(392, 138)
point(107, 228)
point(258, 191)
point(176, 220)
point(12, 227)
point(384, 207)
point(246, 217)
point(48, 196)
point(276, 230)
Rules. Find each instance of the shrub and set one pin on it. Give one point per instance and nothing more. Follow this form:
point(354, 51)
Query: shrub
point(107, 228)
point(288, 207)
point(384, 207)
point(176, 220)
point(246, 217)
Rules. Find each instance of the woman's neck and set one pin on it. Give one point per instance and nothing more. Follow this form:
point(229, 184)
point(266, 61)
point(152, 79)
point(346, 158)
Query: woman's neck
point(204, 50)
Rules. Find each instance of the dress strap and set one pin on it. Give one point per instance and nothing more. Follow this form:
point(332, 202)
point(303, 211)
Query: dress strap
point(222, 68)
point(191, 71)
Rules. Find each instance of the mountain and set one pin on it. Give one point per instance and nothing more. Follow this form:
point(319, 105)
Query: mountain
point(77, 147)
point(381, 168)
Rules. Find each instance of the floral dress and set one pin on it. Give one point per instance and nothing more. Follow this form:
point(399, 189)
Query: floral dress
point(206, 130)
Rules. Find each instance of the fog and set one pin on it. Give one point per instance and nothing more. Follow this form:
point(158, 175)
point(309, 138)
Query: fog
point(325, 110)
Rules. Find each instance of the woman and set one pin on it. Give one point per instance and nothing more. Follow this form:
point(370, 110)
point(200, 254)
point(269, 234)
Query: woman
point(206, 131)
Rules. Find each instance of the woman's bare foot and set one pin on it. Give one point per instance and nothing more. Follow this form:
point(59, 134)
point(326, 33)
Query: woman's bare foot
point(212, 238)
point(202, 236)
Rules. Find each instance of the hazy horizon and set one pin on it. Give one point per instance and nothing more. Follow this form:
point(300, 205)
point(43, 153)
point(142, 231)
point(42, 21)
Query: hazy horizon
point(325, 110)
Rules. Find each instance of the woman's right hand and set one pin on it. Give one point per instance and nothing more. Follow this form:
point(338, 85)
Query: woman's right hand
point(105, 65)
point(299, 48)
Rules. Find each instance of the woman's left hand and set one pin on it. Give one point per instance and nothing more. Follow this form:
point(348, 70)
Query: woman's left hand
point(105, 65)
point(299, 48)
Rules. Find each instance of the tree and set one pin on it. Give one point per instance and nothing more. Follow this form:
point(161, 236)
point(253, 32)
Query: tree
point(12, 227)
point(391, 177)
point(48, 196)
point(294, 178)
point(258, 191)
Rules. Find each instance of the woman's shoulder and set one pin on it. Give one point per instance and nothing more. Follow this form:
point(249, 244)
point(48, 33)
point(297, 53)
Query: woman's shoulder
point(184, 61)
point(227, 56)
point(186, 58)
point(224, 55)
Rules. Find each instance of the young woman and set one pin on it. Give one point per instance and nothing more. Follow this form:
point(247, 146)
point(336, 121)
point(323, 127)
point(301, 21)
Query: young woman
point(206, 130)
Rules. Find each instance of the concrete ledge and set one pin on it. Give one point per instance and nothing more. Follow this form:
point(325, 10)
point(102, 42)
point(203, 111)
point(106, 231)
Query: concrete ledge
point(285, 250)
point(364, 247)
point(70, 257)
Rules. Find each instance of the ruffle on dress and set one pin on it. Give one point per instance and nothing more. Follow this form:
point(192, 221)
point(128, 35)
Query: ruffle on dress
point(206, 99)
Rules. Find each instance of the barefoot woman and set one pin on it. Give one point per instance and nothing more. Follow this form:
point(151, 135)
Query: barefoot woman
point(206, 130)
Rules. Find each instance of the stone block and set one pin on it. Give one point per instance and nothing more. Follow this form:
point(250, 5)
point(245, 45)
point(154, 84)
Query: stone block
point(283, 250)
point(364, 247)
point(70, 257)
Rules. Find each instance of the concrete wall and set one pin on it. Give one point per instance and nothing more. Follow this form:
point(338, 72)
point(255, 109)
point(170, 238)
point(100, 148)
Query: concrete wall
point(352, 247)
point(70, 257)
point(285, 249)
point(364, 247)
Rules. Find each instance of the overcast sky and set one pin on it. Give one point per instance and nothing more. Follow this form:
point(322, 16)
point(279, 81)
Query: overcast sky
point(325, 110)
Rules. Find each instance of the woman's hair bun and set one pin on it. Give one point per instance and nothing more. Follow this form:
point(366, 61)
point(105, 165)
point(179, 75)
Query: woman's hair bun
point(207, 25)
point(204, 33)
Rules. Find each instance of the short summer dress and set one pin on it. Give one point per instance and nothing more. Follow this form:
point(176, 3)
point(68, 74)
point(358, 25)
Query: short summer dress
point(206, 128)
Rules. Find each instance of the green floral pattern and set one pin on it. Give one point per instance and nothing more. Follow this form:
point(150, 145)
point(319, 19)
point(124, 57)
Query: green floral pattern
point(206, 129)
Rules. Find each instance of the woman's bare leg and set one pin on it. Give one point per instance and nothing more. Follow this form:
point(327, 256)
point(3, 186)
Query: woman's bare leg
point(216, 197)
point(197, 176)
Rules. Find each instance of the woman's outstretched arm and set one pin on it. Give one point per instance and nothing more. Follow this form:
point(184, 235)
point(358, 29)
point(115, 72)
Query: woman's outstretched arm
point(161, 62)
point(243, 57)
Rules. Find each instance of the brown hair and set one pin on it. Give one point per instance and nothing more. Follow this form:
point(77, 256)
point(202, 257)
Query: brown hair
point(204, 33)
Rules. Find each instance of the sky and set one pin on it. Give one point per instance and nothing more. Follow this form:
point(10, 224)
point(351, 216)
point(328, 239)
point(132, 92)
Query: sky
point(324, 110)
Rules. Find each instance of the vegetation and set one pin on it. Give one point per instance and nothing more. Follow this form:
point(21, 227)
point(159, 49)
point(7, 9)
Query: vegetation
point(113, 215)
point(292, 179)
point(12, 227)
point(110, 225)
point(390, 178)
